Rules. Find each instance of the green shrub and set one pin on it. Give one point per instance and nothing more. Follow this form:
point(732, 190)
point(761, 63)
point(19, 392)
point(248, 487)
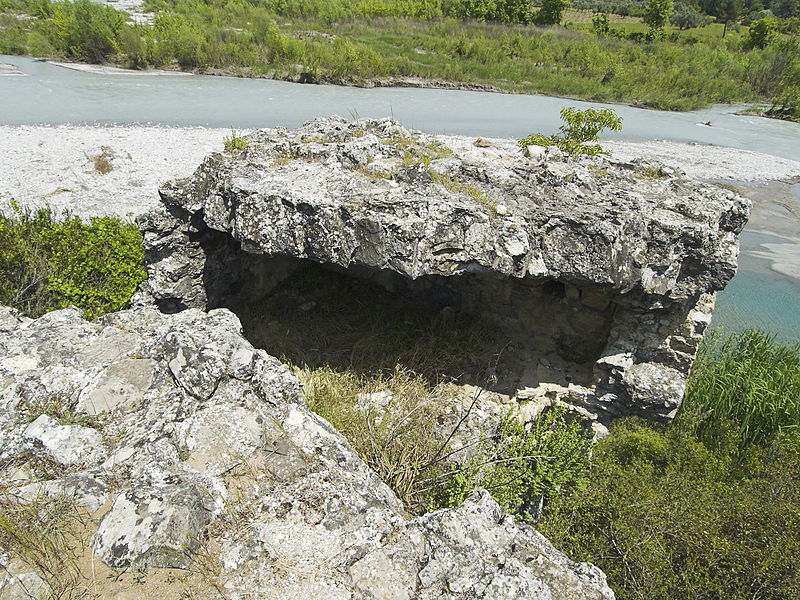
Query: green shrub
point(762, 32)
point(551, 12)
point(525, 469)
point(85, 30)
point(47, 264)
point(666, 517)
point(580, 127)
point(708, 507)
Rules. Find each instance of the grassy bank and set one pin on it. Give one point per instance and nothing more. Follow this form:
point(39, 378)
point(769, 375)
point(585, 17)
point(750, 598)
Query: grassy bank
point(365, 43)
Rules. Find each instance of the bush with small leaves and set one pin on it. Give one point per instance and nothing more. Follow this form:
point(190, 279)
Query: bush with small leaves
point(47, 264)
point(580, 127)
point(762, 32)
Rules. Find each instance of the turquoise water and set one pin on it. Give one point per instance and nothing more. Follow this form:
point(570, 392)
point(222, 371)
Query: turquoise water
point(758, 296)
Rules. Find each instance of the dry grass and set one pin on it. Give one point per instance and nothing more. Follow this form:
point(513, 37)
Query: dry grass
point(102, 162)
point(389, 420)
point(51, 537)
point(46, 535)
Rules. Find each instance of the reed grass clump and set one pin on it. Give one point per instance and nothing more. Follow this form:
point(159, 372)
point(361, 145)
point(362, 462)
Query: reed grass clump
point(390, 420)
point(750, 381)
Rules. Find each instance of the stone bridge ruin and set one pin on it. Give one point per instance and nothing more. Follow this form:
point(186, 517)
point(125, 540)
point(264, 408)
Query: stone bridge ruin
point(587, 281)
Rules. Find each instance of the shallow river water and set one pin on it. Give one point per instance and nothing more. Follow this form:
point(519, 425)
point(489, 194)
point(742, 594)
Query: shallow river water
point(42, 93)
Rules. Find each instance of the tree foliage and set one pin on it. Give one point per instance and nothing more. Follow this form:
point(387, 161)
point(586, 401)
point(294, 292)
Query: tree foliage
point(656, 17)
point(579, 129)
point(728, 11)
point(84, 30)
point(688, 16)
point(551, 12)
point(762, 32)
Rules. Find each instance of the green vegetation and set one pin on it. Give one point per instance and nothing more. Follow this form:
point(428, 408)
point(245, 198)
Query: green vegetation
point(762, 32)
point(751, 383)
point(468, 42)
point(579, 128)
point(47, 264)
point(523, 469)
point(666, 516)
point(656, 17)
point(234, 143)
point(708, 507)
point(551, 12)
point(61, 409)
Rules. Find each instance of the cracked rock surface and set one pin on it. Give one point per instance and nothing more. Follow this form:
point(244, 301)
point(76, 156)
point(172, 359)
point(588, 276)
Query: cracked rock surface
point(216, 446)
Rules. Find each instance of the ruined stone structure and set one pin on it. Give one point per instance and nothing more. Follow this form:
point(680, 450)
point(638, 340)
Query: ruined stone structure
point(600, 276)
point(597, 280)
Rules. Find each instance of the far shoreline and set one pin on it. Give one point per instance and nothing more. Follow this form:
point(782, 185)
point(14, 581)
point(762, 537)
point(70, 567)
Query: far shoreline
point(387, 82)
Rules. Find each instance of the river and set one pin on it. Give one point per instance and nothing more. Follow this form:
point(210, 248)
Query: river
point(43, 93)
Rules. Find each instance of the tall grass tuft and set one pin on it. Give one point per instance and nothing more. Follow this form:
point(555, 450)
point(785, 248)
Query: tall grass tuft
point(396, 436)
point(749, 381)
point(45, 534)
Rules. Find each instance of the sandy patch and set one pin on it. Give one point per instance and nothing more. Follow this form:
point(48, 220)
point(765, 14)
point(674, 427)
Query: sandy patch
point(703, 161)
point(57, 166)
point(109, 70)
point(7, 70)
point(784, 257)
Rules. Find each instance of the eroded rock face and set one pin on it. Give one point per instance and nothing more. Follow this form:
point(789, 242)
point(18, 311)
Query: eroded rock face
point(216, 444)
point(601, 275)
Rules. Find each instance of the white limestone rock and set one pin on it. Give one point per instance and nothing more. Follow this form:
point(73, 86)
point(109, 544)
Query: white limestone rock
point(68, 445)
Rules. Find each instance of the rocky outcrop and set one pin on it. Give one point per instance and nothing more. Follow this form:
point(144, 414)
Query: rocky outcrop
point(186, 434)
point(600, 275)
